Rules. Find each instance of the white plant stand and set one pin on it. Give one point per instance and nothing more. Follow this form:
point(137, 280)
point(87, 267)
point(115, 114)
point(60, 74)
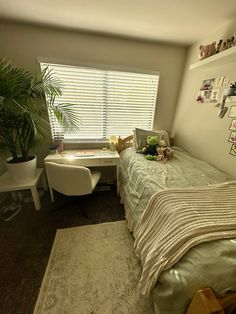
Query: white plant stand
point(9, 185)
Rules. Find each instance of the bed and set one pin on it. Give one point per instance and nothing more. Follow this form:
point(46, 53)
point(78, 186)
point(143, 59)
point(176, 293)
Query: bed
point(188, 284)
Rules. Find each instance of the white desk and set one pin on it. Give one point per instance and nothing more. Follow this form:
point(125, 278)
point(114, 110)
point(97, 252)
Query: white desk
point(98, 158)
point(8, 185)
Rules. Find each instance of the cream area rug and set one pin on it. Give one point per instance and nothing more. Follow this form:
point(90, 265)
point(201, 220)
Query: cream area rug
point(93, 270)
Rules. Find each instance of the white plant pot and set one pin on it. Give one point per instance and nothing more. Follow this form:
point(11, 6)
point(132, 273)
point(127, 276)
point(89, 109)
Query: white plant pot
point(23, 172)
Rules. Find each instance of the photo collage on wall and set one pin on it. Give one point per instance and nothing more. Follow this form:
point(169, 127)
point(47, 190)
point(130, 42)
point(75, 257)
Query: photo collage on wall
point(232, 128)
point(211, 90)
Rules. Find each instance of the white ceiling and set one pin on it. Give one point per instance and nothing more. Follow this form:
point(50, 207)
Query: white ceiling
point(176, 21)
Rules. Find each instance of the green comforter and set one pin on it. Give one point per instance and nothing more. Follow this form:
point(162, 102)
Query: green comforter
point(206, 265)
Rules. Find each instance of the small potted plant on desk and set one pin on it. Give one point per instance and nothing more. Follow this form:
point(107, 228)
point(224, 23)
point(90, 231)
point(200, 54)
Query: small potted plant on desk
point(25, 99)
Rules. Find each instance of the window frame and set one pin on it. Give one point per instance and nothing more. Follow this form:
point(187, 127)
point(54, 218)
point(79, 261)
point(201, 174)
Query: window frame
point(100, 66)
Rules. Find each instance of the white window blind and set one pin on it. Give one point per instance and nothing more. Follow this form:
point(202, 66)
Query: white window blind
point(107, 102)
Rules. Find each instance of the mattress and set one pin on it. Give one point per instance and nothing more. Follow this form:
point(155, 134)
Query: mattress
point(206, 265)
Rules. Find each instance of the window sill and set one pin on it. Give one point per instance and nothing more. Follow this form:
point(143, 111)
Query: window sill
point(75, 144)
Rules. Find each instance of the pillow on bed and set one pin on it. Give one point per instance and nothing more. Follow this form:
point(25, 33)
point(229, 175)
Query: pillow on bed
point(140, 137)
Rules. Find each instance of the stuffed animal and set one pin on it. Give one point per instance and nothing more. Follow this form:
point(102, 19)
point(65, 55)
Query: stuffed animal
point(156, 149)
point(150, 148)
point(207, 50)
point(164, 152)
point(218, 46)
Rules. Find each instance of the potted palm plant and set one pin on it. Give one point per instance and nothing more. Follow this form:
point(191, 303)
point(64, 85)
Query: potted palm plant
point(25, 99)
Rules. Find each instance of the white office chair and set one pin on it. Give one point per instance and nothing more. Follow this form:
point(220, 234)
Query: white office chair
point(71, 180)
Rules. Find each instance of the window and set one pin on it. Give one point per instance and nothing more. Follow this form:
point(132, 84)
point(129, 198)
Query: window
point(107, 102)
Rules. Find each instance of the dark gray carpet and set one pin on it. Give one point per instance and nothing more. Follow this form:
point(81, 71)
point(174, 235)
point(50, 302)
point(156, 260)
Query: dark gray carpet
point(26, 241)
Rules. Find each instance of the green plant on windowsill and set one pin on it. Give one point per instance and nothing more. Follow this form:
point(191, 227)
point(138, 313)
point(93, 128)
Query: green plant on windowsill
point(25, 99)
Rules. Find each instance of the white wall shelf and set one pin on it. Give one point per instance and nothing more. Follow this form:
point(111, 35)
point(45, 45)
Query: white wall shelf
point(221, 58)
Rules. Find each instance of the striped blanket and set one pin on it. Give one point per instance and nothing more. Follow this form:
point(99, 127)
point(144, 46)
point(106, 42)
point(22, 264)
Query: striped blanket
point(176, 220)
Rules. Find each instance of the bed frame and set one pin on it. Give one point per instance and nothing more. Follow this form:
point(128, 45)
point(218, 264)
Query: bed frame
point(124, 143)
point(204, 301)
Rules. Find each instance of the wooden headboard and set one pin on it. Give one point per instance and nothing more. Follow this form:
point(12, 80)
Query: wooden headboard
point(128, 142)
point(124, 143)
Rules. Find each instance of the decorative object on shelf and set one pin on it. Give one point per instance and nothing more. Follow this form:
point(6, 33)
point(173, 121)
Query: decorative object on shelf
point(223, 46)
point(206, 51)
point(232, 112)
point(232, 41)
point(232, 89)
point(218, 59)
point(214, 48)
point(113, 140)
point(219, 46)
point(228, 44)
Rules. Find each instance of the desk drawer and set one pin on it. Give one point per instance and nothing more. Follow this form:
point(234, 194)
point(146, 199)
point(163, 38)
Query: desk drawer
point(96, 162)
point(108, 162)
point(80, 162)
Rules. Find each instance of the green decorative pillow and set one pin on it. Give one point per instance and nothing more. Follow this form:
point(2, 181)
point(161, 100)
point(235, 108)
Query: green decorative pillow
point(140, 137)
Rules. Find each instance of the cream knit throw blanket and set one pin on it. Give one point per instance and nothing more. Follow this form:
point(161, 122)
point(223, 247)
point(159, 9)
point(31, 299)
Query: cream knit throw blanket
point(176, 220)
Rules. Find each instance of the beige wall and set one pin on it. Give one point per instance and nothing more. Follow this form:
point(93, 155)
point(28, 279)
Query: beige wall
point(196, 126)
point(23, 44)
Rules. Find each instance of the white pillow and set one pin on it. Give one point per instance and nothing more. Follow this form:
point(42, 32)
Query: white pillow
point(140, 137)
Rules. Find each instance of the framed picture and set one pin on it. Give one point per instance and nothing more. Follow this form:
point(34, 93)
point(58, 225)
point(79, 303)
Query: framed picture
point(233, 150)
point(207, 84)
point(206, 95)
point(214, 95)
point(224, 93)
point(233, 125)
point(200, 98)
point(218, 81)
point(232, 137)
point(226, 81)
point(232, 112)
